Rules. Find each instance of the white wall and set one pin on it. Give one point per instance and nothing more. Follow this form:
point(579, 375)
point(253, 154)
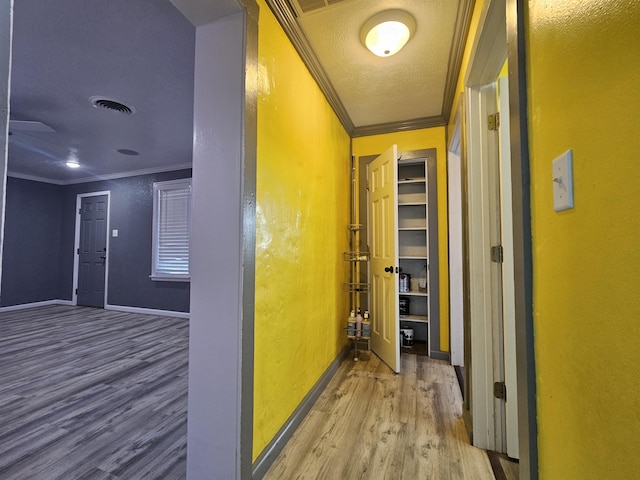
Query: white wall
point(454, 186)
point(215, 353)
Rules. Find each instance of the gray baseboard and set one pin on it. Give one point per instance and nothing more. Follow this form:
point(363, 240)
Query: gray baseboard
point(273, 449)
point(439, 355)
point(24, 306)
point(147, 311)
point(120, 308)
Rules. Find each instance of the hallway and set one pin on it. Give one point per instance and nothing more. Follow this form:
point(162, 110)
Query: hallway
point(372, 424)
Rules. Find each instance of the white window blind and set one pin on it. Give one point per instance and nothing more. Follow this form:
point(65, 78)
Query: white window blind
point(172, 222)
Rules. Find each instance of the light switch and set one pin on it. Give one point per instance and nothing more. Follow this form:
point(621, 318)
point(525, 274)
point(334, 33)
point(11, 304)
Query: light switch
point(114, 233)
point(563, 182)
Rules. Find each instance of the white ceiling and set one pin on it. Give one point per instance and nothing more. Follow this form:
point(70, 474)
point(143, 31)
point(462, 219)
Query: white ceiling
point(411, 89)
point(141, 53)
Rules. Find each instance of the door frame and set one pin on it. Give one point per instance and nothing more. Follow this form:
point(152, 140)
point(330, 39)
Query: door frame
point(455, 243)
point(486, 415)
point(362, 167)
point(76, 244)
point(502, 26)
point(508, 284)
point(224, 434)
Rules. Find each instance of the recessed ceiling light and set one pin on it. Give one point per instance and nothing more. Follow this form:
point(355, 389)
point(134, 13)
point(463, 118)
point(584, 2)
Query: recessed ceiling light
point(126, 151)
point(72, 159)
point(387, 32)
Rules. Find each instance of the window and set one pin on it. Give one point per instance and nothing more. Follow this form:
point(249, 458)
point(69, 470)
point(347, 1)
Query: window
point(171, 225)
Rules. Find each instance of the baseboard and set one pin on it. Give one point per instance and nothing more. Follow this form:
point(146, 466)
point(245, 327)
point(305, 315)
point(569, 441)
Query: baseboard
point(120, 308)
point(24, 306)
point(147, 311)
point(273, 449)
point(440, 355)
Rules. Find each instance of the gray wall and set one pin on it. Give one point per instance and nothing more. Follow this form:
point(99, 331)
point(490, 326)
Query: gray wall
point(41, 220)
point(31, 267)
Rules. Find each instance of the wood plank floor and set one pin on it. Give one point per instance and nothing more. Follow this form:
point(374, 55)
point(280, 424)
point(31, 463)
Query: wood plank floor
point(370, 424)
point(92, 394)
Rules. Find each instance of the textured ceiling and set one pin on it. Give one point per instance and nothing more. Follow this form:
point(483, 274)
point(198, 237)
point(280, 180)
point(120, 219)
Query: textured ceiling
point(376, 90)
point(137, 52)
point(142, 53)
point(411, 89)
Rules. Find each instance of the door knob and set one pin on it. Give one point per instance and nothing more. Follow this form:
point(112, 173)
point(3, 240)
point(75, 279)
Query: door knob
point(104, 257)
point(389, 269)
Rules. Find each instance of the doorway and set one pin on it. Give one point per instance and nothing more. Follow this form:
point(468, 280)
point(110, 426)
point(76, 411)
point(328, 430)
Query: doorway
point(426, 333)
point(90, 262)
point(489, 336)
point(225, 158)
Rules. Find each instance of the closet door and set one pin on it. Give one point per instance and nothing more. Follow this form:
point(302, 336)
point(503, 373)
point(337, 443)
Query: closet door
point(383, 205)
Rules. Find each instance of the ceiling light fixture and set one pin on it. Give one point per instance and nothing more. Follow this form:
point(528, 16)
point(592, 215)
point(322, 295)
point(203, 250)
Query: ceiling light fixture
point(387, 32)
point(72, 159)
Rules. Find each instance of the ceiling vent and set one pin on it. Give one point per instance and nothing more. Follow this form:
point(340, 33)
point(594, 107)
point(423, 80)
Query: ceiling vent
point(126, 151)
point(113, 105)
point(306, 6)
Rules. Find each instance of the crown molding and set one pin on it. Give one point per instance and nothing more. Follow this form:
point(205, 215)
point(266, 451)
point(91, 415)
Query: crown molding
point(403, 126)
point(97, 178)
point(286, 16)
point(460, 35)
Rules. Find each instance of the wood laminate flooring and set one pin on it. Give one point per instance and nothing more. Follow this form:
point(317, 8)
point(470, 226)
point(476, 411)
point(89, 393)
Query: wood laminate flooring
point(92, 394)
point(371, 424)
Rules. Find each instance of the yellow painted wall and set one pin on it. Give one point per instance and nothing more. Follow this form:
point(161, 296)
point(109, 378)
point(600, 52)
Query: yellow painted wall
point(303, 166)
point(416, 140)
point(584, 76)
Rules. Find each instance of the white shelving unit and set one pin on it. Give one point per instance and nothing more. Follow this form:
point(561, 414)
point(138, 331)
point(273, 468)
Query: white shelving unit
point(413, 241)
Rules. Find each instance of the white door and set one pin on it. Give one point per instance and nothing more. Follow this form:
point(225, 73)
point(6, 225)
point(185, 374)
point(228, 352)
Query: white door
point(383, 241)
point(495, 420)
point(508, 276)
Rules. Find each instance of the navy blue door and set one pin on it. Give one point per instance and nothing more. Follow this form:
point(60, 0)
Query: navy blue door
point(92, 253)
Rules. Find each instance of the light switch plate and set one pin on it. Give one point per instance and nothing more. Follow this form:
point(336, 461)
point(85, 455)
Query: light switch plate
point(563, 182)
point(114, 232)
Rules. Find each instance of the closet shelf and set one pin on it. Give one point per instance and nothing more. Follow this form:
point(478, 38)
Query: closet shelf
point(414, 318)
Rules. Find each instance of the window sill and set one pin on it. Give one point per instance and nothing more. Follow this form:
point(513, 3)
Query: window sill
point(170, 278)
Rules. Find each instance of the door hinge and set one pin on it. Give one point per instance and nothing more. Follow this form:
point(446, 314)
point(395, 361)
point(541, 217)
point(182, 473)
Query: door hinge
point(493, 121)
point(76, 291)
point(500, 390)
point(78, 251)
point(497, 254)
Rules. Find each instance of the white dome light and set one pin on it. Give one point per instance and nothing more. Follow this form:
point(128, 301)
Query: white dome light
point(387, 32)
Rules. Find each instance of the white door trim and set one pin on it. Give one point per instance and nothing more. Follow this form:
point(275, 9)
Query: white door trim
point(456, 293)
point(485, 433)
point(508, 273)
point(489, 53)
point(76, 246)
